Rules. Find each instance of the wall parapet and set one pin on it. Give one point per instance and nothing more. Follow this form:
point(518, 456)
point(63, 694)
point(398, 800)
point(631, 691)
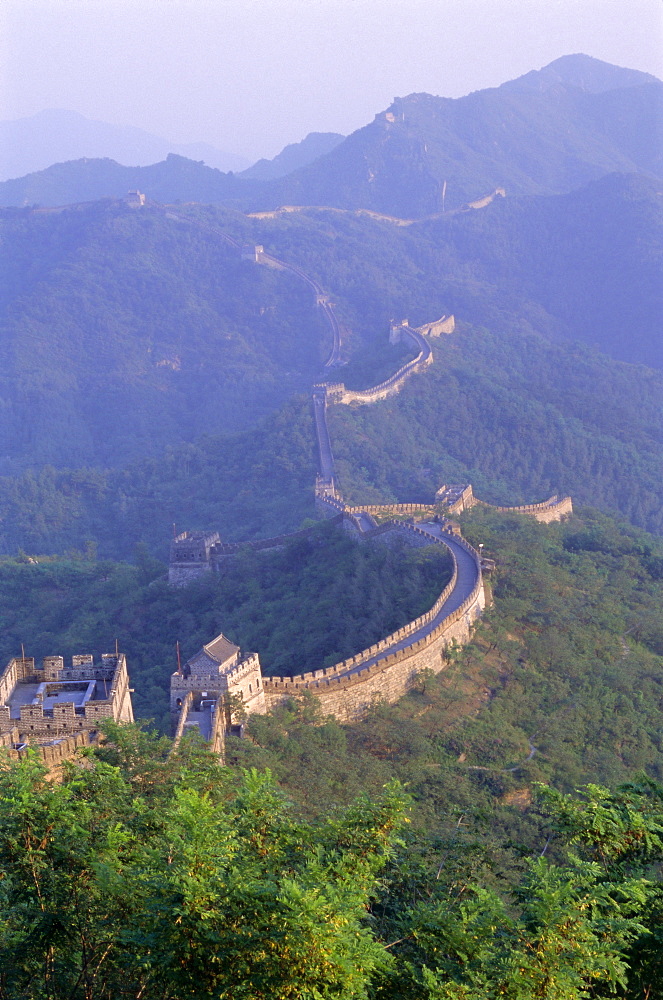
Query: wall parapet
point(388, 667)
point(338, 393)
point(342, 670)
point(552, 509)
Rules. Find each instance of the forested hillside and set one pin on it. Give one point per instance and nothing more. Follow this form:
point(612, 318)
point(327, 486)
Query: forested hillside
point(153, 380)
point(129, 334)
point(124, 332)
point(561, 684)
point(520, 419)
point(508, 136)
point(324, 598)
point(586, 266)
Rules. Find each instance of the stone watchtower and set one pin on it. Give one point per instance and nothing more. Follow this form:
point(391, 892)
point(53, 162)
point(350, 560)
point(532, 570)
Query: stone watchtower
point(200, 693)
point(191, 555)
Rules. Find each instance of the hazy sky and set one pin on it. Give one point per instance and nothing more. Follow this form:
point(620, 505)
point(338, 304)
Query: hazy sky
point(250, 76)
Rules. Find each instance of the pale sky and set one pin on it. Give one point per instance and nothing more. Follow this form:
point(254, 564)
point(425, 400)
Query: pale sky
point(250, 76)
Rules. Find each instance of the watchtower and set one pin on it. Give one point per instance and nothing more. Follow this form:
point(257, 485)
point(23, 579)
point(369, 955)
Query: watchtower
point(191, 555)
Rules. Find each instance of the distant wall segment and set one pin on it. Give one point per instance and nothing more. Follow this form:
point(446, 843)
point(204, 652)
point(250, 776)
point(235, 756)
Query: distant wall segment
point(387, 669)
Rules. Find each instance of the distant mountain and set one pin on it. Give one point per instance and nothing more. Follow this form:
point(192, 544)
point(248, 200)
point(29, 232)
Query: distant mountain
point(55, 136)
point(548, 132)
point(174, 179)
point(584, 72)
point(294, 156)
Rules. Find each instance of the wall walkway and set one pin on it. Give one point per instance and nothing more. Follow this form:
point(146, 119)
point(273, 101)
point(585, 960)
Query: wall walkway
point(387, 669)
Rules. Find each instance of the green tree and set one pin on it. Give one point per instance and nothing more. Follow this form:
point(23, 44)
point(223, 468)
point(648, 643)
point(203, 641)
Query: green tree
point(145, 878)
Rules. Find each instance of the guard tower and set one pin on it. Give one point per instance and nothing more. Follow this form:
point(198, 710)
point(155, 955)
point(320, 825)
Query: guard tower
point(191, 555)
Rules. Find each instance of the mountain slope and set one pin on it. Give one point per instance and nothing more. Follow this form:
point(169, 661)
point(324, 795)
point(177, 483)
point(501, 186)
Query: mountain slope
point(539, 135)
point(584, 266)
point(174, 179)
point(122, 331)
point(294, 156)
point(113, 318)
point(548, 132)
point(55, 136)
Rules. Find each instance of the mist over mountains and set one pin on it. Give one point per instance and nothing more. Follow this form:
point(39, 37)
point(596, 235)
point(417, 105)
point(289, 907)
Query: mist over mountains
point(160, 369)
point(54, 135)
point(294, 156)
point(125, 332)
point(545, 133)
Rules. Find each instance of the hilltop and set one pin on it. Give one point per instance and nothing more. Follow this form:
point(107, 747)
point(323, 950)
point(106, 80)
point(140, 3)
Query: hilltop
point(419, 147)
point(56, 135)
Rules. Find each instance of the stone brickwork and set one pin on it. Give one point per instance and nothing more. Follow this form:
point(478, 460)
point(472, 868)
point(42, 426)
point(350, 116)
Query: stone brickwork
point(552, 509)
point(202, 693)
point(384, 670)
point(58, 706)
point(190, 555)
point(445, 324)
point(337, 392)
point(461, 497)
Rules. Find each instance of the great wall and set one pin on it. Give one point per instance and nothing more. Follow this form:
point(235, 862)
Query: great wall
point(56, 709)
point(219, 686)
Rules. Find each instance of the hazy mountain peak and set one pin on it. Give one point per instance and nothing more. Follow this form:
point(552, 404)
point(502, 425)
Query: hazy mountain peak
point(57, 135)
point(294, 156)
point(583, 72)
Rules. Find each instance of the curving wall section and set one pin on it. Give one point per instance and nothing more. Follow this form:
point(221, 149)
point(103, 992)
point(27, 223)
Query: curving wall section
point(553, 509)
point(387, 669)
point(337, 392)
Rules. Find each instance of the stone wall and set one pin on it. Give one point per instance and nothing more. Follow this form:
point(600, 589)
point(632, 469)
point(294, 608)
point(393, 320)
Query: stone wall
point(349, 696)
point(55, 752)
point(348, 688)
point(180, 574)
point(183, 709)
point(66, 718)
point(18, 669)
point(347, 692)
point(445, 324)
point(337, 392)
point(553, 509)
point(246, 681)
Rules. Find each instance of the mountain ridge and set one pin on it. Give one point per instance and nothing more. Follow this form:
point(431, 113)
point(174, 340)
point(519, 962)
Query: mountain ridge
point(35, 142)
point(293, 156)
point(539, 134)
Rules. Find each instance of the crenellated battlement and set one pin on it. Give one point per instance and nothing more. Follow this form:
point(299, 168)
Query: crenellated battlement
point(56, 701)
point(388, 668)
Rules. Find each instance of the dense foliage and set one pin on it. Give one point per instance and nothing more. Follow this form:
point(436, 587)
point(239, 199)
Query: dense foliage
point(251, 485)
point(519, 420)
point(155, 371)
point(157, 876)
point(124, 332)
point(562, 683)
point(506, 405)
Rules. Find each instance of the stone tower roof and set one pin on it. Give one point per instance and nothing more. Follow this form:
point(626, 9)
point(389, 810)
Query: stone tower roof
point(219, 654)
